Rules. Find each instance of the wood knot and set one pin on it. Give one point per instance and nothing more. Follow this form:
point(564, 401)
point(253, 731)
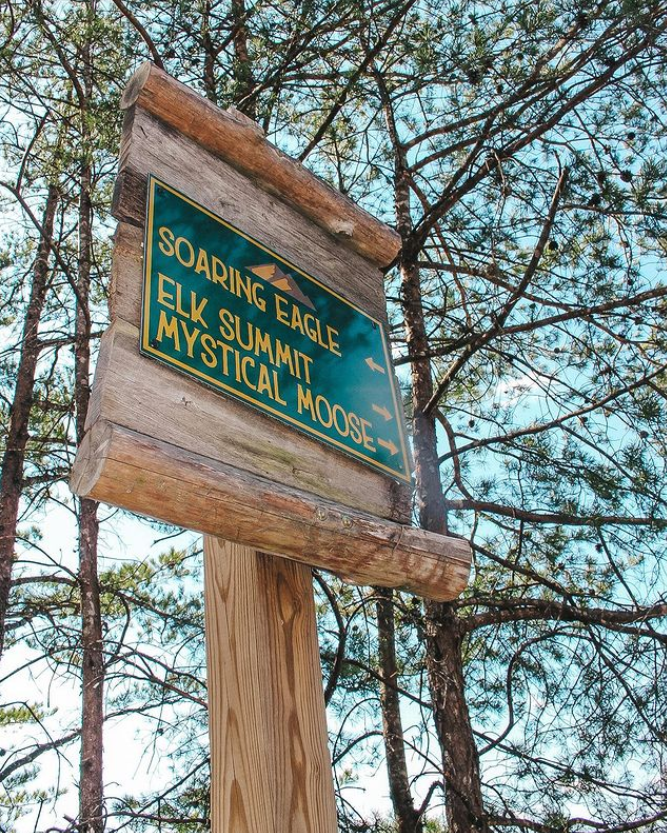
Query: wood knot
point(342, 228)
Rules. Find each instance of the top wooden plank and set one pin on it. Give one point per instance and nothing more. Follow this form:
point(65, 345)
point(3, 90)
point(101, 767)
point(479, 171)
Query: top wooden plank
point(241, 143)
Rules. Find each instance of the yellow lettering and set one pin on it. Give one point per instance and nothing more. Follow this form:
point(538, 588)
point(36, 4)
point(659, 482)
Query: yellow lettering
point(312, 327)
point(243, 286)
point(276, 389)
point(307, 361)
point(208, 345)
point(263, 344)
point(296, 322)
point(368, 441)
point(332, 335)
point(163, 297)
point(167, 238)
point(257, 298)
point(179, 300)
point(226, 327)
point(214, 270)
point(326, 421)
point(197, 309)
point(355, 429)
point(202, 266)
point(249, 329)
point(338, 411)
point(304, 399)
point(190, 338)
point(226, 350)
point(180, 242)
point(284, 357)
point(219, 272)
point(264, 381)
point(346, 424)
point(245, 361)
point(307, 324)
point(281, 312)
point(168, 329)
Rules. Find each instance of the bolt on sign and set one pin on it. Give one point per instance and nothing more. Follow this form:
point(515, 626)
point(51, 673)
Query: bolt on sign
point(223, 308)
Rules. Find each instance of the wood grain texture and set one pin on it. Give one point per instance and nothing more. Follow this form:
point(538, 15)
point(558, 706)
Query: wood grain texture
point(148, 146)
point(235, 139)
point(126, 274)
point(137, 392)
point(136, 472)
point(270, 762)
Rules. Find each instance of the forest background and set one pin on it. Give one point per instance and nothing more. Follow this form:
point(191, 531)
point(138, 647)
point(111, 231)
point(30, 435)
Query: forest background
point(519, 149)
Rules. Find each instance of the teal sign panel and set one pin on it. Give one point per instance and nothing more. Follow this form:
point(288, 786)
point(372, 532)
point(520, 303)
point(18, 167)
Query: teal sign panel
point(225, 309)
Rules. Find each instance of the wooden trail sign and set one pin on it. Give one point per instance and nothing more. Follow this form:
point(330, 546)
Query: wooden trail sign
point(163, 444)
point(248, 394)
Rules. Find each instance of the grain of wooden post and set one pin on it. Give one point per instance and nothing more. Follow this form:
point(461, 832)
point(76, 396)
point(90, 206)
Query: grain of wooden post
point(269, 754)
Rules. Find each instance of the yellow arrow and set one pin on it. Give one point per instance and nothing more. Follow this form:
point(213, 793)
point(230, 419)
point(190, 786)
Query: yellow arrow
point(374, 366)
point(391, 448)
point(383, 412)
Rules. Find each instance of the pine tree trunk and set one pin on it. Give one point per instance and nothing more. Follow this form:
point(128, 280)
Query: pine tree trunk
point(407, 817)
point(92, 713)
point(210, 54)
point(243, 71)
point(92, 709)
point(91, 797)
point(11, 480)
point(465, 808)
point(464, 805)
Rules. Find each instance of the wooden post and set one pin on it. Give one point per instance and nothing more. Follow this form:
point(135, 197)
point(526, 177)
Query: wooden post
point(270, 762)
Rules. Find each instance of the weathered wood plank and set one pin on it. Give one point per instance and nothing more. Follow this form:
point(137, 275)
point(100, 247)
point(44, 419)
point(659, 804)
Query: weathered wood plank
point(136, 472)
point(241, 142)
point(129, 195)
point(270, 763)
point(126, 274)
point(149, 146)
point(140, 393)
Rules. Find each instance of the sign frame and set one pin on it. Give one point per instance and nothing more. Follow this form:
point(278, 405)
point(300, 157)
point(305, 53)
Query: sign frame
point(396, 446)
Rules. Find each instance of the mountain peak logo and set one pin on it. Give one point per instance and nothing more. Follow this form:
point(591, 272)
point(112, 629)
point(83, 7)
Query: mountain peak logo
point(273, 274)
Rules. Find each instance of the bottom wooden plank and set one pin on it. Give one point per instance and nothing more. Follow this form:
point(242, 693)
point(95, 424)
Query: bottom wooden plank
point(121, 467)
point(270, 762)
